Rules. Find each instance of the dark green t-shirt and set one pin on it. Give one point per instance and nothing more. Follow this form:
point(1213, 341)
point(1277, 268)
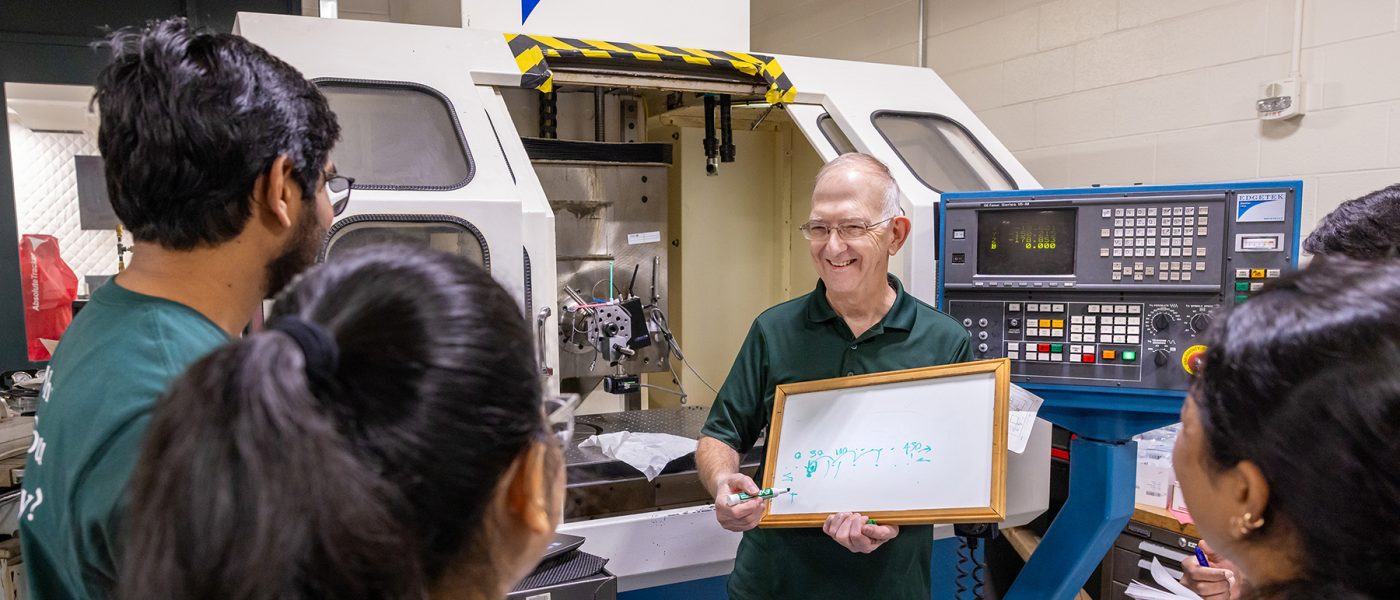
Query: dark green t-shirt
point(803, 339)
point(114, 361)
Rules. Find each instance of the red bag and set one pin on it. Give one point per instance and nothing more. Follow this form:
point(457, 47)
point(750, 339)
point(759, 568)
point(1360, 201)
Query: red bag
point(50, 287)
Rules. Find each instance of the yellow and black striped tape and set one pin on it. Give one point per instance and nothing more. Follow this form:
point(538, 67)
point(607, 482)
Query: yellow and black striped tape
point(532, 51)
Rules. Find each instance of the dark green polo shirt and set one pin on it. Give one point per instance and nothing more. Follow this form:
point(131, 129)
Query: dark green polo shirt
point(801, 340)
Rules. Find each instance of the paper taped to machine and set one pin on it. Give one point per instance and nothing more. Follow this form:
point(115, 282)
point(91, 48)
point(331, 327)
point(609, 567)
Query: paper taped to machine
point(1024, 406)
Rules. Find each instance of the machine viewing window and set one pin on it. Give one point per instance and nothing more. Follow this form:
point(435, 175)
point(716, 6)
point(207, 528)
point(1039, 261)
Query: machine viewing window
point(941, 153)
point(439, 232)
point(833, 134)
point(1026, 242)
point(397, 136)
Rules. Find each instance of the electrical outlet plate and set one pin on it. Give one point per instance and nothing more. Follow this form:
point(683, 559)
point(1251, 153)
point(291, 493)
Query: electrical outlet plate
point(1282, 99)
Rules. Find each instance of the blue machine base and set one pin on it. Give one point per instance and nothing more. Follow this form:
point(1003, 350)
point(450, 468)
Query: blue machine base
point(1107, 414)
point(1102, 476)
point(1100, 502)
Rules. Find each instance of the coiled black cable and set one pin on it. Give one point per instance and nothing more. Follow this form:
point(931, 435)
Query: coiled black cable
point(979, 569)
point(972, 568)
point(964, 574)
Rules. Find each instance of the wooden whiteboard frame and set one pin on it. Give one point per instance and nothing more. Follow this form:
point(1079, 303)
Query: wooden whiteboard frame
point(994, 512)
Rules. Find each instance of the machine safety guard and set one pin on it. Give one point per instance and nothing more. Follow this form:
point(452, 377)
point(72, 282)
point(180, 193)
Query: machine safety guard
point(532, 51)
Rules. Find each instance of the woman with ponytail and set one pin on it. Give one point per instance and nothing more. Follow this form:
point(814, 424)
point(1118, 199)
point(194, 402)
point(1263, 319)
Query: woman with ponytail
point(1289, 451)
point(384, 438)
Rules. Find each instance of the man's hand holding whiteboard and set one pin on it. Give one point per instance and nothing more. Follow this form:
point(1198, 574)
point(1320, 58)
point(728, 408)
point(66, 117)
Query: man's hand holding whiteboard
point(905, 447)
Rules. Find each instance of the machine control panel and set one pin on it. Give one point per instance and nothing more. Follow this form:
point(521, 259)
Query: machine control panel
point(1109, 287)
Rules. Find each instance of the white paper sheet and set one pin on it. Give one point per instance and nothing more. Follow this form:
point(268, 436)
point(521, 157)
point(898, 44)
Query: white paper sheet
point(1175, 591)
point(1165, 579)
point(1024, 405)
point(1138, 591)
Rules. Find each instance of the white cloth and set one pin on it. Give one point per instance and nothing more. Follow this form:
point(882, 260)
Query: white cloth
point(647, 452)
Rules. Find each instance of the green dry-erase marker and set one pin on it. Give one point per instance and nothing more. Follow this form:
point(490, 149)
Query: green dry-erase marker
point(733, 499)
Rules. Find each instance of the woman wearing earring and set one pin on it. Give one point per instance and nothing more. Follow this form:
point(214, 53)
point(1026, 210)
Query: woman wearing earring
point(1289, 452)
point(1365, 228)
point(385, 438)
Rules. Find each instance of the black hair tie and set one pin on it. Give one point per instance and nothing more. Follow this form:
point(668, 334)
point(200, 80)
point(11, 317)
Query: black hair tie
point(318, 346)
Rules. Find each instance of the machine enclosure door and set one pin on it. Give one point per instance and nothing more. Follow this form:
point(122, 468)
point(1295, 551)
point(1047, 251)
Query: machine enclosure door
point(388, 54)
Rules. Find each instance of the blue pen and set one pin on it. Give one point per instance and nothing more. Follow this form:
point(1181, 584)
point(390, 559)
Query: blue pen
point(1201, 557)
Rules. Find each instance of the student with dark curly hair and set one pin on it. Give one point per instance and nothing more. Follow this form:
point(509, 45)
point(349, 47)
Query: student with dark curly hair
point(384, 438)
point(217, 161)
point(1364, 228)
point(1289, 451)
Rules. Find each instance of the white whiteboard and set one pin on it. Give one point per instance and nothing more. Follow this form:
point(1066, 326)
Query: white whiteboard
point(921, 445)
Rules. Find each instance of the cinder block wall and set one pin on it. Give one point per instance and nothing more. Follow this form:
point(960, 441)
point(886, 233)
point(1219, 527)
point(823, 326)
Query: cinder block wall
point(1149, 91)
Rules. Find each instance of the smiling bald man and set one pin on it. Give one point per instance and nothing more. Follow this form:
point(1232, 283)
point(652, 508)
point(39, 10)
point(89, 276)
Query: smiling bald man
point(858, 320)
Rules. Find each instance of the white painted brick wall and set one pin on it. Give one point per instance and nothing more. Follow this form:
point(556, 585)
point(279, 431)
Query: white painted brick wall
point(1067, 22)
point(1394, 136)
point(1149, 91)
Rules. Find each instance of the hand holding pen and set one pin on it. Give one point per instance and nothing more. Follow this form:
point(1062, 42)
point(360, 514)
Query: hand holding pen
point(1210, 575)
point(768, 494)
point(744, 515)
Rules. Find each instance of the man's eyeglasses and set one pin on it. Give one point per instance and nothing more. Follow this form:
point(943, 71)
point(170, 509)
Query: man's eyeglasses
point(338, 190)
point(559, 416)
point(818, 231)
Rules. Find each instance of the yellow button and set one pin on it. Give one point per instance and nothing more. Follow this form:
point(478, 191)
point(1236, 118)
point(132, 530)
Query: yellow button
point(1256, 273)
point(1110, 354)
point(1058, 323)
point(1045, 322)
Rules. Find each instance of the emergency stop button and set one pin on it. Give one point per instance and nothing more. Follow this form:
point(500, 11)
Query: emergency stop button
point(1192, 358)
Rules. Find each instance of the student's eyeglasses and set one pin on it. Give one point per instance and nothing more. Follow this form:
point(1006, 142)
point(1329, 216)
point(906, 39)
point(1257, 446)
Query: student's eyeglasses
point(559, 416)
point(338, 190)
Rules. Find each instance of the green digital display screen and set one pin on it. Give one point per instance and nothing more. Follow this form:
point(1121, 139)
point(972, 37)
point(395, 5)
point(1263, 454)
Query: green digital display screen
point(1026, 242)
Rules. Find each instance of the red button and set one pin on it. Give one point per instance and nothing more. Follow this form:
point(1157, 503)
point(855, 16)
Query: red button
point(1193, 357)
point(1195, 362)
point(1088, 358)
point(1043, 348)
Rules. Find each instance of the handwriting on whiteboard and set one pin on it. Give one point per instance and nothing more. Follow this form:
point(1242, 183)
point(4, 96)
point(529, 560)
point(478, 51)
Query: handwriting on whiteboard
point(830, 464)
